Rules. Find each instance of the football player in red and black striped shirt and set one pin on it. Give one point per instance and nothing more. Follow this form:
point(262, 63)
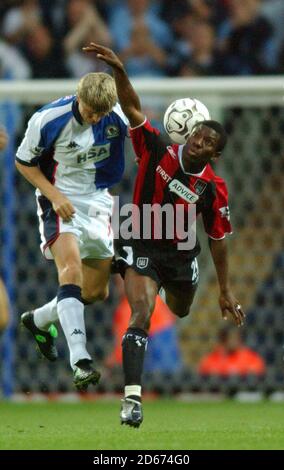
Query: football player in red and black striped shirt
point(174, 175)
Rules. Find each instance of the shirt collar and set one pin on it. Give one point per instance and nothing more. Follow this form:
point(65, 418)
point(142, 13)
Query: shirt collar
point(76, 113)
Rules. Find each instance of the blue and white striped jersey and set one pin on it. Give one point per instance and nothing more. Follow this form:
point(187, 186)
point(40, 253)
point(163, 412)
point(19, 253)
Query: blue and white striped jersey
point(77, 158)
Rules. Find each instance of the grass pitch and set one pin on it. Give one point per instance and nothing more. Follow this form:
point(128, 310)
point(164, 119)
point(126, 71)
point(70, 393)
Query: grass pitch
point(168, 424)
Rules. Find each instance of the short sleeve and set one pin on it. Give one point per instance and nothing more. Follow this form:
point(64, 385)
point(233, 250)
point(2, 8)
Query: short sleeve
point(146, 140)
point(216, 219)
point(121, 119)
point(32, 145)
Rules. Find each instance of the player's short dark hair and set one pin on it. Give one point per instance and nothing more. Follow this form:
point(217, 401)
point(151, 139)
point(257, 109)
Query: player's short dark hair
point(217, 127)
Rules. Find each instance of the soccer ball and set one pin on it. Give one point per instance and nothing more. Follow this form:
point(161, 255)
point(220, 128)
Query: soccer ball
point(181, 116)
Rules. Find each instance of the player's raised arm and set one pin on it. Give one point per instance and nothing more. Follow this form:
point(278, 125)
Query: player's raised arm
point(128, 98)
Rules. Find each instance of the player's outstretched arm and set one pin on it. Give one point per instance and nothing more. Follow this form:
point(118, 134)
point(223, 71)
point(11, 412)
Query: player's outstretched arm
point(128, 98)
point(228, 303)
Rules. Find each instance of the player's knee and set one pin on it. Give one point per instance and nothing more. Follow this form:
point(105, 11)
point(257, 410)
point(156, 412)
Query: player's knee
point(95, 295)
point(182, 311)
point(102, 294)
point(71, 273)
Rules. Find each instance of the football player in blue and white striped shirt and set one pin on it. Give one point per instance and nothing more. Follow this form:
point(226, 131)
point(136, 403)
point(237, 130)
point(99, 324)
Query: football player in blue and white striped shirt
point(72, 152)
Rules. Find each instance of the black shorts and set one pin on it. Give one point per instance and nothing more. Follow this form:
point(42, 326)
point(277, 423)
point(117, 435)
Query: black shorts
point(168, 267)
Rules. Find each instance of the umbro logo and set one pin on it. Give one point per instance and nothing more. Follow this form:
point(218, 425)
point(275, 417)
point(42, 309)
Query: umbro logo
point(77, 332)
point(171, 151)
point(72, 145)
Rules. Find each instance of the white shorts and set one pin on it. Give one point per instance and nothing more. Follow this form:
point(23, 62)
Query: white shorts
point(91, 224)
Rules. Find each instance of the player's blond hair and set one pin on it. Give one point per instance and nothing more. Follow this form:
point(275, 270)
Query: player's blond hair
point(98, 91)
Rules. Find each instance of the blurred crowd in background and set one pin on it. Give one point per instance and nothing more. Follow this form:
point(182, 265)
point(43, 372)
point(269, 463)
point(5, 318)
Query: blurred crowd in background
point(43, 39)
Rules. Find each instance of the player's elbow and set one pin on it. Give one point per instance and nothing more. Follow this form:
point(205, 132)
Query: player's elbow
point(19, 166)
point(135, 117)
point(101, 295)
point(217, 243)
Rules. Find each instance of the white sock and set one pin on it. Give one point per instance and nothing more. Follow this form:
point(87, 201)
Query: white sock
point(132, 390)
point(46, 315)
point(71, 316)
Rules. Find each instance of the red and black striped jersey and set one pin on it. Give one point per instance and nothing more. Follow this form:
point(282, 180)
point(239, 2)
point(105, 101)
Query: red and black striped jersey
point(161, 179)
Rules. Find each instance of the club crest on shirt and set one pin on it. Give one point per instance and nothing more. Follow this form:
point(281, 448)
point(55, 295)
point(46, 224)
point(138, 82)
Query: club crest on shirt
point(112, 131)
point(199, 187)
point(142, 262)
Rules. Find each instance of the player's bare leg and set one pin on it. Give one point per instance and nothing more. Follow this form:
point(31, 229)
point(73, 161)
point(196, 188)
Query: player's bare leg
point(179, 299)
point(141, 292)
point(96, 273)
point(95, 287)
point(69, 302)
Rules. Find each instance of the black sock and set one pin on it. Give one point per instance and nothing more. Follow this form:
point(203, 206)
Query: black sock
point(134, 344)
